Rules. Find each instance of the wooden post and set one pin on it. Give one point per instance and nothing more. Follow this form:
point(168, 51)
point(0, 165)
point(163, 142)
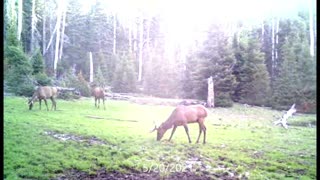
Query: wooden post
point(210, 99)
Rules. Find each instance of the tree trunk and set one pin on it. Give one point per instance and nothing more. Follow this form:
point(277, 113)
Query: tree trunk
point(91, 67)
point(135, 37)
point(130, 37)
point(20, 2)
point(114, 33)
point(140, 47)
point(33, 23)
point(276, 44)
point(210, 99)
point(272, 48)
point(311, 29)
point(56, 57)
point(44, 30)
point(63, 28)
point(262, 32)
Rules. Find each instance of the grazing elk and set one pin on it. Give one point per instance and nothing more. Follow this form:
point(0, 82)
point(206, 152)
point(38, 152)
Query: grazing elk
point(182, 116)
point(43, 93)
point(98, 94)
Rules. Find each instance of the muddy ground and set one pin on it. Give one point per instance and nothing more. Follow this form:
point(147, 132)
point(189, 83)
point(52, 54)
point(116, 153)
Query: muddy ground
point(136, 175)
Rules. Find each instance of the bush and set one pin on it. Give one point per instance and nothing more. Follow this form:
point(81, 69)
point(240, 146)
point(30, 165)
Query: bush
point(19, 69)
point(223, 100)
point(43, 79)
point(25, 89)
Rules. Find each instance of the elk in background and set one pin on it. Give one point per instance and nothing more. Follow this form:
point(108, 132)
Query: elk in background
point(43, 93)
point(98, 94)
point(182, 116)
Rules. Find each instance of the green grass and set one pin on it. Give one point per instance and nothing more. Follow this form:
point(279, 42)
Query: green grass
point(241, 139)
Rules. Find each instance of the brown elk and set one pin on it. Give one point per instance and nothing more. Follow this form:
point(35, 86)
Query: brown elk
point(182, 116)
point(43, 93)
point(98, 94)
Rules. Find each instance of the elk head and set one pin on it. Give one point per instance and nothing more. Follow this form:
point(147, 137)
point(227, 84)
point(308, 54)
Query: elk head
point(160, 131)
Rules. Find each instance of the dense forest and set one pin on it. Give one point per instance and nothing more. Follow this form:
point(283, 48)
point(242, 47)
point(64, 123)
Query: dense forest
point(270, 63)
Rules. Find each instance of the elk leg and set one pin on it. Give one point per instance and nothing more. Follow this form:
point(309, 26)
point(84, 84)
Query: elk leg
point(173, 130)
point(187, 131)
point(104, 106)
point(95, 102)
point(40, 104)
point(204, 133)
point(53, 103)
point(45, 101)
point(98, 103)
point(200, 131)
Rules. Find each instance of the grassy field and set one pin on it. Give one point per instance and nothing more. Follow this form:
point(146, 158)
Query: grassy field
point(241, 142)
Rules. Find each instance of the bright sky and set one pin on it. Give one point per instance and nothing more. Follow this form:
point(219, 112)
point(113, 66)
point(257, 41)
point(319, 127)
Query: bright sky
point(187, 18)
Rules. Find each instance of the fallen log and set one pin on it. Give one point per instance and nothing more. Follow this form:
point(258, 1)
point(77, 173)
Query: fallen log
point(283, 119)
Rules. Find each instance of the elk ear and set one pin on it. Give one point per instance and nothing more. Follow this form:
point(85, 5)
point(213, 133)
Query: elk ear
point(155, 128)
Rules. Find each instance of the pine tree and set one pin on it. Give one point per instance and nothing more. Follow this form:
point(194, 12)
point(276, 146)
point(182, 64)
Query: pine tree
point(216, 59)
point(252, 74)
point(124, 79)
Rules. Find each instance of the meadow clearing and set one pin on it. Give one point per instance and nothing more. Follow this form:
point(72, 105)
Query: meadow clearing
point(79, 141)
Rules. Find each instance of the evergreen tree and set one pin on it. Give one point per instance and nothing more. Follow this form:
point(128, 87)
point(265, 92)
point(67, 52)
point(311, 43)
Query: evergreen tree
point(124, 79)
point(252, 75)
point(216, 59)
point(37, 63)
point(18, 76)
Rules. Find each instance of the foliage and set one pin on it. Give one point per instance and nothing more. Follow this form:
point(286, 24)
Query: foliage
point(18, 74)
point(42, 79)
point(37, 63)
point(216, 59)
point(297, 78)
point(83, 86)
point(252, 75)
point(124, 79)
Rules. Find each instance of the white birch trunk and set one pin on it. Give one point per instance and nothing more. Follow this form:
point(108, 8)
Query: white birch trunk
point(52, 36)
point(44, 30)
point(272, 48)
point(135, 37)
point(56, 57)
point(114, 33)
point(262, 32)
point(148, 37)
point(33, 18)
point(311, 29)
point(140, 47)
point(19, 19)
point(130, 36)
point(277, 40)
point(63, 27)
point(91, 67)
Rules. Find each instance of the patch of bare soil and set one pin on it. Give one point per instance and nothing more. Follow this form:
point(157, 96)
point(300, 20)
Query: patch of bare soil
point(136, 175)
point(71, 137)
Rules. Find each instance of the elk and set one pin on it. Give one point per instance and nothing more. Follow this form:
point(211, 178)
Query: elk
point(182, 116)
point(43, 93)
point(98, 94)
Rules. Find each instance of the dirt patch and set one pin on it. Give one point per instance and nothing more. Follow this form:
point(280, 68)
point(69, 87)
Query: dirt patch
point(136, 175)
point(71, 137)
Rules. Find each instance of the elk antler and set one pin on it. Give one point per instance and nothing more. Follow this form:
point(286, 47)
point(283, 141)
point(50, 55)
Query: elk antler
point(155, 127)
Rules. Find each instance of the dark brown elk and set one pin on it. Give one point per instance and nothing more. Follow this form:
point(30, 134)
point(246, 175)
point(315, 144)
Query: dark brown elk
point(98, 94)
point(182, 116)
point(44, 93)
